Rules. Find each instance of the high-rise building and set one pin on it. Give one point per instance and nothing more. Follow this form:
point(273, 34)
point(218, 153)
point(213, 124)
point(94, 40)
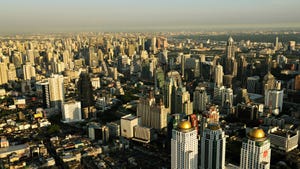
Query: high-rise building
point(200, 99)
point(85, 93)
point(227, 97)
point(268, 82)
point(43, 93)
point(230, 49)
point(152, 114)
point(56, 89)
point(3, 74)
point(213, 144)
point(276, 46)
point(184, 147)
point(71, 111)
point(253, 84)
point(128, 122)
point(183, 103)
point(28, 71)
point(255, 151)
point(274, 100)
point(219, 75)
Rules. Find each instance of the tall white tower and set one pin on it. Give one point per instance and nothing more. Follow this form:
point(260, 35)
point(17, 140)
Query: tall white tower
point(213, 144)
point(56, 89)
point(219, 75)
point(184, 147)
point(255, 151)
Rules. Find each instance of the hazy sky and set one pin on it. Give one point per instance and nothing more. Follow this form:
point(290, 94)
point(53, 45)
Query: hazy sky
point(118, 15)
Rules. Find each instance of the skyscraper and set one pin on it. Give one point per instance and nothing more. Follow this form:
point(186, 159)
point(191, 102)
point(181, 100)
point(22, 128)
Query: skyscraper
point(274, 100)
point(152, 114)
point(183, 103)
point(3, 74)
point(219, 75)
point(56, 88)
point(213, 144)
point(28, 71)
point(255, 151)
point(43, 93)
point(85, 93)
point(184, 147)
point(200, 99)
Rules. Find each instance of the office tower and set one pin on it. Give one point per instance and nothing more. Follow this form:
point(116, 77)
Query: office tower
point(230, 48)
point(227, 97)
point(253, 84)
point(219, 75)
point(67, 59)
point(268, 82)
point(274, 100)
point(241, 70)
point(98, 132)
point(43, 93)
point(213, 145)
point(255, 151)
point(173, 81)
point(114, 129)
point(12, 72)
point(128, 122)
point(247, 112)
point(218, 92)
point(17, 59)
point(292, 46)
point(184, 147)
point(3, 74)
point(182, 65)
point(28, 71)
point(30, 57)
point(197, 69)
point(200, 99)
point(229, 62)
point(56, 88)
point(183, 103)
point(153, 45)
point(93, 60)
point(71, 111)
point(85, 93)
point(276, 46)
point(152, 114)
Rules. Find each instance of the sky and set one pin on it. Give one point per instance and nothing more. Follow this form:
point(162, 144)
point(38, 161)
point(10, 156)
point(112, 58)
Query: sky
point(138, 15)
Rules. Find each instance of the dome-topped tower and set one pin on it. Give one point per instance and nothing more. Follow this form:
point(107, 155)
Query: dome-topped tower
point(185, 125)
point(257, 134)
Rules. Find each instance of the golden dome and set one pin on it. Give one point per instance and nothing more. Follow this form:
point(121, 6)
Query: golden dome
point(257, 133)
point(185, 125)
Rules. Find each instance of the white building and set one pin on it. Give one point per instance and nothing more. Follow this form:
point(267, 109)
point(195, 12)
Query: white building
point(128, 122)
point(184, 147)
point(284, 140)
point(71, 111)
point(56, 89)
point(218, 76)
point(255, 151)
point(274, 100)
point(213, 144)
point(28, 71)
